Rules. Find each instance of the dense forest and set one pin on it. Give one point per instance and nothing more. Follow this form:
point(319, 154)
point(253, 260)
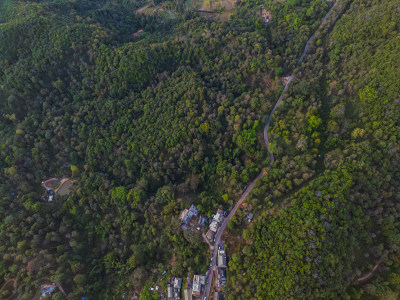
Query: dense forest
point(148, 124)
point(330, 202)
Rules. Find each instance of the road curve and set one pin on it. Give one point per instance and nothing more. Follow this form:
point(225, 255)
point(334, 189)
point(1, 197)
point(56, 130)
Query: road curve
point(251, 185)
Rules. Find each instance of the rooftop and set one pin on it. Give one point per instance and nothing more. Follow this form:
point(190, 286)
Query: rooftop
point(221, 259)
point(188, 294)
point(170, 291)
point(47, 289)
point(198, 282)
point(188, 214)
point(214, 226)
point(219, 216)
point(177, 283)
point(203, 221)
point(210, 234)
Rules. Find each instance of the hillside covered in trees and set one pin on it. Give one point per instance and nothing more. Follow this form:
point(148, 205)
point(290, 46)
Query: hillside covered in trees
point(151, 113)
point(333, 193)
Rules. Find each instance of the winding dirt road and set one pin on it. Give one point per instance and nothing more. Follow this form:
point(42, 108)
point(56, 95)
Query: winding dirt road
point(14, 282)
point(252, 184)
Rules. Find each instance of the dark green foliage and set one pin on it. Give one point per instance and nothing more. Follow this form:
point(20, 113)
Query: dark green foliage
point(150, 124)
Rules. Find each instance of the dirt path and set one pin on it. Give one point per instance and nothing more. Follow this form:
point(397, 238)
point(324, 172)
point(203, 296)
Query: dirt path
point(138, 11)
point(60, 287)
point(207, 241)
point(368, 276)
point(50, 183)
point(7, 283)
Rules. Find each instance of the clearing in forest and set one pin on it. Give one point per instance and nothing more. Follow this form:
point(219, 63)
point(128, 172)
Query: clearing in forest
point(51, 183)
point(217, 4)
point(65, 187)
point(157, 11)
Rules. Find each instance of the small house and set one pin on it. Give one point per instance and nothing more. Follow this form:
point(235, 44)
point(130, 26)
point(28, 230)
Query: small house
point(202, 221)
point(177, 287)
point(188, 294)
point(221, 276)
point(187, 215)
point(214, 226)
point(195, 211)
point(170, 291)
point(216, 296)
point(47, 289)
point(183, 214)
point(198, 284)
point(219, 216)
point(210, 234)
point(250, 217)
point(221, 259)
point(177, 283)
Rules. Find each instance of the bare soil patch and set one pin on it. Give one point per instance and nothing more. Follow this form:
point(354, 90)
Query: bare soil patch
point(368, 276)
point(173, 261)
point(140, 10)
point(50, 183)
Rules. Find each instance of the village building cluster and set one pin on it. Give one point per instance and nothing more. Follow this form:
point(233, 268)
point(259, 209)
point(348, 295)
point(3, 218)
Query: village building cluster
point(190, 220)
point(221, 266)
point(195, 287)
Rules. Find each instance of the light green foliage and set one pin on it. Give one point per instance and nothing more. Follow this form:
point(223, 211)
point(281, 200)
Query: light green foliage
point(246, 140)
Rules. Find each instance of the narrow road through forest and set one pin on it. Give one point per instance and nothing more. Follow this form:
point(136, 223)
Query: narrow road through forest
point(251, 185)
